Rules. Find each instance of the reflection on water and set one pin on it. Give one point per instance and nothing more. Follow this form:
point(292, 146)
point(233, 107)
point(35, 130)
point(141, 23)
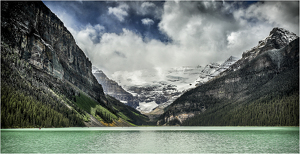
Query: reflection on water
point(152, 140)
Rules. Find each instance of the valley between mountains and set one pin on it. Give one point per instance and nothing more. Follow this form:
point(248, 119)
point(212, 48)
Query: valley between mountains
point(47, 81)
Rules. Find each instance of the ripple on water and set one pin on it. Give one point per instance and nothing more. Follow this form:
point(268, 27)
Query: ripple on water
point(152, 140)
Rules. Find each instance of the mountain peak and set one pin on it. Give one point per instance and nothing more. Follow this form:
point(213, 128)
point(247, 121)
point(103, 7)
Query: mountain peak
point(277, 30)
point(280, 37)
point(277, 39)
point(232, 58)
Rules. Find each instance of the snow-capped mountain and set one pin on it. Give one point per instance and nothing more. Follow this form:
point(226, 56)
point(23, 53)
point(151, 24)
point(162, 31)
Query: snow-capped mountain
point(214, 69)
point(159, 87)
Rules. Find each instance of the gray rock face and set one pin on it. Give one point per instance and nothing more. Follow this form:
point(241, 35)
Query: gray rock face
point(112, 88)
point(38, 36)
point(272, 67)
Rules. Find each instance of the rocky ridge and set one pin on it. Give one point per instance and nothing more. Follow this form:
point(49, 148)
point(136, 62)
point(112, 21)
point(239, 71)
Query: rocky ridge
point(277, 39)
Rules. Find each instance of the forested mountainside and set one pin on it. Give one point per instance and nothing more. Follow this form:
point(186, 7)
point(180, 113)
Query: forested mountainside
point(260, 89)
point(46, 79)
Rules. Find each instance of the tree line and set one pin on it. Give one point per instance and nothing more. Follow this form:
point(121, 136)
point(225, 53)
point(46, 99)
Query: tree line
point(267, 111)
point(21, 111)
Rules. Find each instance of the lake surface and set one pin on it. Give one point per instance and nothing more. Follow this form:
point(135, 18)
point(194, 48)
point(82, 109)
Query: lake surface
point(152, 140)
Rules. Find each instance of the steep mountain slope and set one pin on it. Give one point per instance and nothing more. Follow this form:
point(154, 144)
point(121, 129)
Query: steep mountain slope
point(128, 113)
point(112, 88)
point(46, 79)
point(37, 36)
point(262, 88)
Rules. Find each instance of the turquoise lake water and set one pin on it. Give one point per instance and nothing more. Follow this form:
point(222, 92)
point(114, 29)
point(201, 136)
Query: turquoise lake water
point(152, 140)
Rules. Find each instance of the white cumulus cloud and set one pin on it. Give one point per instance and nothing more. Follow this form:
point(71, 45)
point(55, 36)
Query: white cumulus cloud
point(120, 12)
point(147, 21)
point(217, 29)
point(146, 5)
point(281, 14)
point(148, 8)
point(201, 32)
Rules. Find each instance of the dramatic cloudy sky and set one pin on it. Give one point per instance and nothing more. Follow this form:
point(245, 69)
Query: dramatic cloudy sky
point(128, 36)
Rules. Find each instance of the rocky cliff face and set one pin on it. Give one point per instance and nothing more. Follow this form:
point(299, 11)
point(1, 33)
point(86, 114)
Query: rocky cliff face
point(112, 88)
point(37, 36)
point(266, 72)
point(46, 79)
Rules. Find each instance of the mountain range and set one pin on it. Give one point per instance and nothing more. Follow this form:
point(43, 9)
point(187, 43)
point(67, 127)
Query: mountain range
point(47, 81)
point(158, 88)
